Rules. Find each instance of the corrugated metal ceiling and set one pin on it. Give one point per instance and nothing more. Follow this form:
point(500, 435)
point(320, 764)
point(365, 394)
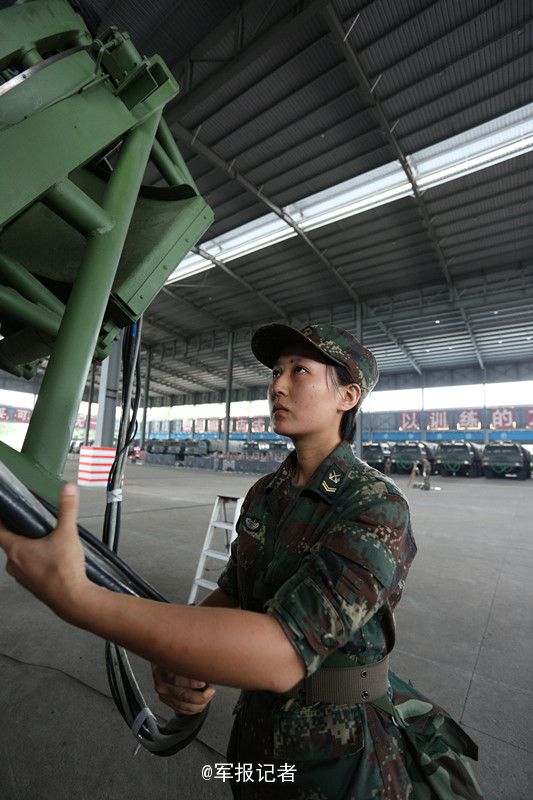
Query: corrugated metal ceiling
point(268, 88)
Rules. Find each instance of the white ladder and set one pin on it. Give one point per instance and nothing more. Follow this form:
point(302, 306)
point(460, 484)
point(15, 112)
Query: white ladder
point(219, 521)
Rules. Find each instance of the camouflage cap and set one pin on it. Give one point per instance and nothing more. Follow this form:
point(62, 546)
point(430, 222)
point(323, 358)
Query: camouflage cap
point(336, 344)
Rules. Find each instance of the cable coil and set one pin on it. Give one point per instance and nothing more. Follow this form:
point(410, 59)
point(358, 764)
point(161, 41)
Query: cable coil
point(33, 517)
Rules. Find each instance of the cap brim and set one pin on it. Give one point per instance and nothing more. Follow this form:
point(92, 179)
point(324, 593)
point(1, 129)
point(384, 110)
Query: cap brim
point(269, 341)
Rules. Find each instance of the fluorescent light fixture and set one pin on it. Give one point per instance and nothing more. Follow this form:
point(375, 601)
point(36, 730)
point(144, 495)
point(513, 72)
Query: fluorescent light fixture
point(248, 238)
point(241, 241)
point(478, 148)
point(374, 188)
point(498, 140)
point(192, 264)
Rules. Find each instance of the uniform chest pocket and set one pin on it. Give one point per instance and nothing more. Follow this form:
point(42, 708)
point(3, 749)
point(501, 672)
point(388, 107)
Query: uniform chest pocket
point(317, 732)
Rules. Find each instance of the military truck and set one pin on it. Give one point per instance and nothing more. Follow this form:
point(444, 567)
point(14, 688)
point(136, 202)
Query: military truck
point(459, 458)
point(405, 454)
point(506, 458)
point(377, 454)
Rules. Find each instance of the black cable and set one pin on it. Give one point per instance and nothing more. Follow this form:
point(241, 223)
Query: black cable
point(29, 516)
point(127, 429)
point(124, 688)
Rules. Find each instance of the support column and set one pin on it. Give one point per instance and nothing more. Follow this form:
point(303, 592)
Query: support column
point(485, 422)
point(359, 433)
point(146, 397)
point(107, 398)
point(89, 405)
point(229, 382)
point(423, 415)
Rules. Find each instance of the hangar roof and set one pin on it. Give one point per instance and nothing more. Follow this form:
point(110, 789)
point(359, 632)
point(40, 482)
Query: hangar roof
point(284, 99)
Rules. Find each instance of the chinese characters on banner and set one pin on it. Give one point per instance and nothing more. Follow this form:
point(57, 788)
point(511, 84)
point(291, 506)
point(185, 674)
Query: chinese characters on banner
point(22, 415)
point(529, 418)
point(212, 425)
point(409, 421)
point(199, 426)
point(187, 426)
point(241, 425)
point(4, 413)
point(502, 418)
point(468, 419)
point(437, 420)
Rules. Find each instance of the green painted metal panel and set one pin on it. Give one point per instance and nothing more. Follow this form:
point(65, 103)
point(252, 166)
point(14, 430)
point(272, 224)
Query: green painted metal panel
point(83, 248)
point(47, 21)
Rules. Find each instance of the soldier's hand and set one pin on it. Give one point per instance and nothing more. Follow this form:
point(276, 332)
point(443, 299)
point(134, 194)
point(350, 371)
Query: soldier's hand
point(52, 568)
point(184, 695)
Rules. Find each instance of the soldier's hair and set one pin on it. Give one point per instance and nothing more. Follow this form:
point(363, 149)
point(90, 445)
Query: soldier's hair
point(341, 377)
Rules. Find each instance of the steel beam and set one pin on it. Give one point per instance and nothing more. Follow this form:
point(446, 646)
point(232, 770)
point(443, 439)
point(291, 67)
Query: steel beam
point(169, 288)
point(89, 405)
point(359, 76)
point(244, 283)
point(30, 287)
point(193, 142)
point(104, 434)
point(53, 418)
point(28, 312)
point(229, 388)
point(359, 431)
point(146, 396)
point(78, 209)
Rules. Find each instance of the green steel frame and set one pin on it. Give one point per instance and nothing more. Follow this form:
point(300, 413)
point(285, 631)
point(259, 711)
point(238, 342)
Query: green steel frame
point(67, 105)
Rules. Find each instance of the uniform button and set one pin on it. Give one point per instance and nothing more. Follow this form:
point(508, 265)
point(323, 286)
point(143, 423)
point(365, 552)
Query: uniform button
point(364, 673)
point(327, 639)
point(364, 695)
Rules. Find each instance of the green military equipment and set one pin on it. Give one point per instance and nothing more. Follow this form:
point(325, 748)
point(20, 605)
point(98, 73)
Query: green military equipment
point(405, 454)
point(506, 458)
point(378, 455)
point(459, 458)
point(84, 246)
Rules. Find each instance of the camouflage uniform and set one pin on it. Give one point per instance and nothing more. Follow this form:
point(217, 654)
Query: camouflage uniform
point(329, 562)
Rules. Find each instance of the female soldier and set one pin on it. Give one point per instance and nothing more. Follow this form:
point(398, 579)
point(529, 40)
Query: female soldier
point(302, 620)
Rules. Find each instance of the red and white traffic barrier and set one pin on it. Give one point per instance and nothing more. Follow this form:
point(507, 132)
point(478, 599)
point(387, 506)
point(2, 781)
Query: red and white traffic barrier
point(95, 465)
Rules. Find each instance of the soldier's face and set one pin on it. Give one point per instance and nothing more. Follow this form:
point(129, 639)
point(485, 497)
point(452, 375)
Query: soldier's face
point(302, 397)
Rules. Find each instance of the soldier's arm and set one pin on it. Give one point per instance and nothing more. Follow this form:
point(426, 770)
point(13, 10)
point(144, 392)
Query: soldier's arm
point(359, 564)
point(189, 695)
point(228, 646)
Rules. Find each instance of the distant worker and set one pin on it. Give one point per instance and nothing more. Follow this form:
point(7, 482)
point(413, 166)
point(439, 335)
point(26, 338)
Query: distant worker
point(426, 473)
point(415, 472)
point(302, 620)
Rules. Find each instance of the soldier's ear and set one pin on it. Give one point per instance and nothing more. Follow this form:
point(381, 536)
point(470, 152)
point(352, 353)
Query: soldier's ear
point(349, 396)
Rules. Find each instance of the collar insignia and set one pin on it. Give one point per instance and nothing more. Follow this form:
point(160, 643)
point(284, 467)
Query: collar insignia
point(334, 477)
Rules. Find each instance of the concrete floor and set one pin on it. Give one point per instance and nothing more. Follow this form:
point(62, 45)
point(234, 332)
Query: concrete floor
point(465, 637)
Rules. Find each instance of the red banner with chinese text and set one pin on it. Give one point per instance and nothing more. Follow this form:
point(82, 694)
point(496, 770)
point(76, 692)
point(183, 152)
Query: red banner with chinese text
point(409, 421)
point(469, 419)
point(502, 418)
point(437, 420)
